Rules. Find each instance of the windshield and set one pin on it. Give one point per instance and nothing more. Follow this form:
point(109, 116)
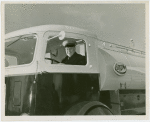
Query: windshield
point(19, 50)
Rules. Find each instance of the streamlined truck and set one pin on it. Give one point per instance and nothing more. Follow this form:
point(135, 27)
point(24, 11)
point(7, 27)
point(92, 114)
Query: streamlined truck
point(36, 82)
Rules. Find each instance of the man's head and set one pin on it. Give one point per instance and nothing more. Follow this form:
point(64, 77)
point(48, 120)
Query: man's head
point(69, 47)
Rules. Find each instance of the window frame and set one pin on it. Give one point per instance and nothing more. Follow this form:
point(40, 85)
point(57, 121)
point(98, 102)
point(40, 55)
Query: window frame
point(90, 67)
point(31, 68)
point(35, 51)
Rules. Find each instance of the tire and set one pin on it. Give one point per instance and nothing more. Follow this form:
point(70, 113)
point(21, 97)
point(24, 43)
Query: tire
point(89, 108)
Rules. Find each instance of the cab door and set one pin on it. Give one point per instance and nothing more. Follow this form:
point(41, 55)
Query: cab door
point(66, 84)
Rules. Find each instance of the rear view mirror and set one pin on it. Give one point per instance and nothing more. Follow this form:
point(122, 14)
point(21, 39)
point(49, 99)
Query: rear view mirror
point(61, 35)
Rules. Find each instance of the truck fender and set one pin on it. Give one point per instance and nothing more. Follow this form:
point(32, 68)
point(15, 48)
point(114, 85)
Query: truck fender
point(89, 108)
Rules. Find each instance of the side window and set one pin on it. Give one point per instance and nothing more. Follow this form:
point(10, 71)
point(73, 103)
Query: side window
point(20, 50)
point(57, 53)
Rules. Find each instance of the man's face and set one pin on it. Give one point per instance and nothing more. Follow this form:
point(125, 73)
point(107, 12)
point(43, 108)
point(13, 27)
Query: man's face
point(70, 51)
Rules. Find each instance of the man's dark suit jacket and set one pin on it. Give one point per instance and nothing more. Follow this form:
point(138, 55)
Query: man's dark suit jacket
point(74, 83)
point(75, 59)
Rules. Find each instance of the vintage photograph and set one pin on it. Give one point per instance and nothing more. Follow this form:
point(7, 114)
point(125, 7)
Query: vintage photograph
point(80, 59)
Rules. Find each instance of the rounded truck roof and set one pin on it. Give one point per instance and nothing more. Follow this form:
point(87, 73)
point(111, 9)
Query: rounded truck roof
point(44, 28)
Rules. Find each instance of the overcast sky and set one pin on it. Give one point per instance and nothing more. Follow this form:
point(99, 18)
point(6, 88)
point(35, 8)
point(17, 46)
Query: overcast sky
point(111, 22)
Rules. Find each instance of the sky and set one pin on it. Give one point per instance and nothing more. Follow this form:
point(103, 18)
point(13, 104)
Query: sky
point(117, 23)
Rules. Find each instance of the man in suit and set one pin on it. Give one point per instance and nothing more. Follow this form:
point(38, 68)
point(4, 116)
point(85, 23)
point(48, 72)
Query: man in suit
point(72, 57)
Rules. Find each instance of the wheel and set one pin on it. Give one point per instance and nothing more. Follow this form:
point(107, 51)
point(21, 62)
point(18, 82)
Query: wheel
point(97, 110)
point(89, 108)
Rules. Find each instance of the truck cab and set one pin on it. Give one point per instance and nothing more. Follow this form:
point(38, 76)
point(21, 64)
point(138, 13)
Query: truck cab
point(38, 83)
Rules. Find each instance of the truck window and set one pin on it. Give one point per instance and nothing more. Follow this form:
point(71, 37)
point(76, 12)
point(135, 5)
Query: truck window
point(19, 50)
point(56, 52)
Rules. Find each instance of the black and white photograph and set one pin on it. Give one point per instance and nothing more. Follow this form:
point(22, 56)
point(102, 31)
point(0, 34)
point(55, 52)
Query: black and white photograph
point(80, 59)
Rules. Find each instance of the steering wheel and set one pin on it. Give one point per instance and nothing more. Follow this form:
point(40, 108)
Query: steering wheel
point(52, 60)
